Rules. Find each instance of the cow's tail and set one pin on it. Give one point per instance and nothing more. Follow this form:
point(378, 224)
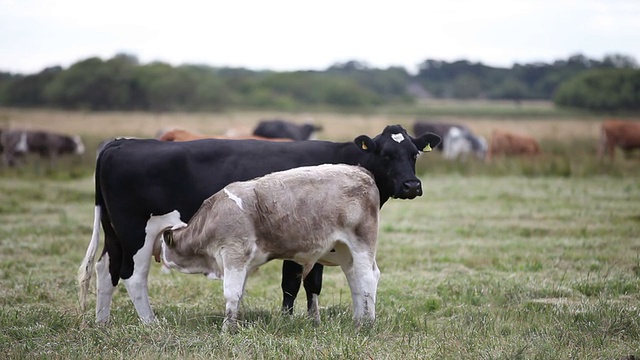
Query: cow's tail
point(86, 267)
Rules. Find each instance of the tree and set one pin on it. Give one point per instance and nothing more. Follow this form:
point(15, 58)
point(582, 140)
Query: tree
point(602, 90)
point(28, 90)
point(93, 84)
point(511, 89)
point(122, 83)
point(466, 86)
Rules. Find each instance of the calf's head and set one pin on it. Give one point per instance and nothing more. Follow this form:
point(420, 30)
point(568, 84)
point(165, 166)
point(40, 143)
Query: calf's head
point(189, 257)
point(392, 160)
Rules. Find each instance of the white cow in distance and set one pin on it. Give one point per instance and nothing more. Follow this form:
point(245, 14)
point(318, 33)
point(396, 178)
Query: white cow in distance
point(458, 143)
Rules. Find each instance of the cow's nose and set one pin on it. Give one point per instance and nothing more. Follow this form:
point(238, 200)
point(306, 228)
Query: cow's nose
point(411, 189)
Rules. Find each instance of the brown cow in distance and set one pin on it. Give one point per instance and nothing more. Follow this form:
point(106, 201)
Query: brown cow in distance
point(623, 134)
point(184, 135)
point(507, 143)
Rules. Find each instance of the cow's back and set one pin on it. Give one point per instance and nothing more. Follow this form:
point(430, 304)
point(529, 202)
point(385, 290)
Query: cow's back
point(158, 177)
point(154, 177)
point(625, 134)
point(512, 144)
point(284, 129)
point(180, 135)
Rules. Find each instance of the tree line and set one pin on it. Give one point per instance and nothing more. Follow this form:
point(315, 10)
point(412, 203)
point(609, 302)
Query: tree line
point(123, 83)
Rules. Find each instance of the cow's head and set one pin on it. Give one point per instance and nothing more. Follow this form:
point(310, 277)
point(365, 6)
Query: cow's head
point(392, 160)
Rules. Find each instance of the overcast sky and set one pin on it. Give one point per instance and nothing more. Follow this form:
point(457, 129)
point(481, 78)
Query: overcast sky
point(303, 35)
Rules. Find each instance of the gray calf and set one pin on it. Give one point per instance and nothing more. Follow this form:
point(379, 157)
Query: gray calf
point(326, 214)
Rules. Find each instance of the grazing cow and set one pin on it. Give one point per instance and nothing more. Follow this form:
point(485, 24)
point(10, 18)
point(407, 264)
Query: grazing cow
point(47, 144)
point(285, 129)
point(506, 143)
point(624, 134)
point(459, 142)
point(325, 213)
point(138, 177)
point(184, 135)
point(439, 128)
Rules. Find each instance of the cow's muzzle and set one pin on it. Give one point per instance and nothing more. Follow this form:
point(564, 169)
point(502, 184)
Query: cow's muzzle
point(410, 189)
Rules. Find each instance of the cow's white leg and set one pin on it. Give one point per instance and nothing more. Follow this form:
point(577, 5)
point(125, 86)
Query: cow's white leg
point(233, 283)
point(104, 290)
point(363, 278)
point(137, 284)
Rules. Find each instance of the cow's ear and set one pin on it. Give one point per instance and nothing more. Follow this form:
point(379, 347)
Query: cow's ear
point(364, 143)
point(427, 142)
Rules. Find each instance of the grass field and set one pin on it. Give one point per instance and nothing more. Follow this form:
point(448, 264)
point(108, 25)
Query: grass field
point(517, 259)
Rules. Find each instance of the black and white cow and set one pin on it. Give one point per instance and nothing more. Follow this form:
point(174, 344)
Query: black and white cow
point(326, 213)
point(138, 177)
point(49, 145)
point(460, 142)
point(285, 129)
point(436, 127)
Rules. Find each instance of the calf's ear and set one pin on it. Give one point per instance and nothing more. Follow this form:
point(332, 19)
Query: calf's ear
point(167, 235)
point(364, 143)
point(427, 141)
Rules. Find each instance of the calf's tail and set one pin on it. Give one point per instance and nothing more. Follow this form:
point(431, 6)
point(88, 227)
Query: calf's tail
point(86, 267)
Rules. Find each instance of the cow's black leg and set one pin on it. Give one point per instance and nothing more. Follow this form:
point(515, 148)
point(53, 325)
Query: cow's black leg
point(291, 273)
point(312, 286)
point(313, 283)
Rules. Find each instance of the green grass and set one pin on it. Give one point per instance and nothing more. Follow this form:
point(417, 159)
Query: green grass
point(484, 266)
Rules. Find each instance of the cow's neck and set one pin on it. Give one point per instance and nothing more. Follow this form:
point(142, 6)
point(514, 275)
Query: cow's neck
point(354, 156)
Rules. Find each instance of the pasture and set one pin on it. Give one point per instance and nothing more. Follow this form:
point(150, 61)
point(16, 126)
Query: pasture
point(516, 259)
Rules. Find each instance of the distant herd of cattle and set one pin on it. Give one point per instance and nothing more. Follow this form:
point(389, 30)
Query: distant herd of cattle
point(224, 207)
point(458, 141)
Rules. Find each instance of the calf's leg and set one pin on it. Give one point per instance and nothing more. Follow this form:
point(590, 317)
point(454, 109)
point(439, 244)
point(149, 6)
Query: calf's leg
point(233, 283)
point(363, 276)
